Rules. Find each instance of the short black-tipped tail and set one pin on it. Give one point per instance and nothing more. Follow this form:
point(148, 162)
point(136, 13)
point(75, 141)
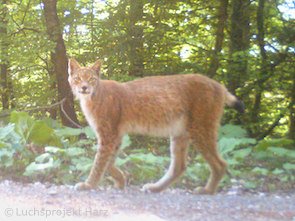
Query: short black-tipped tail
point(233, 102)
point(239, 106)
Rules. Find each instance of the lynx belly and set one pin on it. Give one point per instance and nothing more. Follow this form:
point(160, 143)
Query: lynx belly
point(174, 128)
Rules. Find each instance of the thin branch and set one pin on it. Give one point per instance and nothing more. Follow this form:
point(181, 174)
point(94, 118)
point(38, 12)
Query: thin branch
point(270, 129)
point(23, 30)
point(14, 21)
point(196, 46)
point(27, 9)
point(37, 108)
point(67, 116)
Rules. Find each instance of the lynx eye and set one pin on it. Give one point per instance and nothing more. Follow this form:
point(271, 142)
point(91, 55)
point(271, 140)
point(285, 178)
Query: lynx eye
point(77, 79)
point(91, 80)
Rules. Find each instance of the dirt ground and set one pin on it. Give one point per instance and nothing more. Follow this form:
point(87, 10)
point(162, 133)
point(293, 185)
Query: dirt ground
point(38, 201)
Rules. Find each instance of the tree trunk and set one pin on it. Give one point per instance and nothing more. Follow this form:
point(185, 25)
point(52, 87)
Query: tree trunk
point(292, 111)
point(6, 86)
point(135, 35)
point(263, 75)
point(60, 62)
point(222, 17)
point(240, 38)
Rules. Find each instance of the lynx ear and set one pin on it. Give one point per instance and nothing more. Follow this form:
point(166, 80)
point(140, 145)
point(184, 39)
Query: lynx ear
point(97, 67)
point(73, 66)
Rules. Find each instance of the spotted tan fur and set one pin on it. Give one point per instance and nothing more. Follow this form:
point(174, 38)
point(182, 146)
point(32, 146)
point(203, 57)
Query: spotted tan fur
point(186, 108)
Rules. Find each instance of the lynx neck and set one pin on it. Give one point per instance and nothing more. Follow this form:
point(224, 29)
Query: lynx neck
point(87, 107)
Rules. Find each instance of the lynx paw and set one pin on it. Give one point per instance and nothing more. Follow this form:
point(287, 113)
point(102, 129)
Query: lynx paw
point(150, 187)
point(202, 190)
point(82, 186)
point(120, 186)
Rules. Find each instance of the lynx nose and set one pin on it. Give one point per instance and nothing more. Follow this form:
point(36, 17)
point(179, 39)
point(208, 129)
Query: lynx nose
point(84, 88)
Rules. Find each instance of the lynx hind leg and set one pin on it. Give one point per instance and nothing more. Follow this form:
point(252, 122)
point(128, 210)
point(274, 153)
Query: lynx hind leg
point(207, 147)
point(178, 151)
point(118, 176)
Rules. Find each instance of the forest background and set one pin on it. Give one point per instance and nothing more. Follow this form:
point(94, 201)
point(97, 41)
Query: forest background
point(248, 45)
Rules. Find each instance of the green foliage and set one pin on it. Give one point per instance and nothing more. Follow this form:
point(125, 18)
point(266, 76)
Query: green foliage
point(265, 144)
point(68, 132)
point(10, 144)
point(62, 162)
point(232, 144)
point(243, 154)
point(278, 159)
point(14, 152)
point(139, 38)
point(140, 164)
point(71, 159)
point(234, 147)
point(34, 131)
point(65, 165)
point(232, 131)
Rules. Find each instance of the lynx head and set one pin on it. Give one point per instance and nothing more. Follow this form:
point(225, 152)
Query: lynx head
point(83, 81)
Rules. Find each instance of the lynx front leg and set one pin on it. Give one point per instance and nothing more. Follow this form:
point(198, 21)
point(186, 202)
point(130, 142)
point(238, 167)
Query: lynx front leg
point(102, 159)
point(178, 151)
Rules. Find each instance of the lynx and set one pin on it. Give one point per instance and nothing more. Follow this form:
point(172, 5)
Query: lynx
point(186, 108)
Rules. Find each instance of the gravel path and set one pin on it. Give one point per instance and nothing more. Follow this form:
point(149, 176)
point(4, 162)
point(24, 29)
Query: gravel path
point(38, 201)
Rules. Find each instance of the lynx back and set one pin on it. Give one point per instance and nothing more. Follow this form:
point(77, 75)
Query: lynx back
point(186, 108)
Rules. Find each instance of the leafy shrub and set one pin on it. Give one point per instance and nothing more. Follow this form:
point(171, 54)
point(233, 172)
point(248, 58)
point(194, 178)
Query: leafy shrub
point(66, 164)
point(33, 131)
point(42, 150)
point(233, 145)
point(64, 159)
point(142, 167)
point(10, 147)
point(277, 159)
